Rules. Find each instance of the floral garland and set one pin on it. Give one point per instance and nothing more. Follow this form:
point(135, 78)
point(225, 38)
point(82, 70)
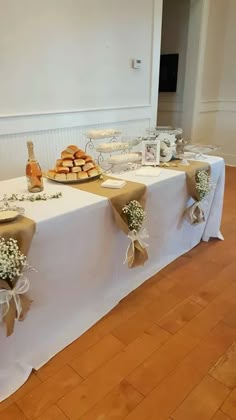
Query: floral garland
point(204, 184)
point(31, 197)
point(135, 215)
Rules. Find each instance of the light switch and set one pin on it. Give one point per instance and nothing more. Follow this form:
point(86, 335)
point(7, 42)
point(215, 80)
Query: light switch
point(136, 64)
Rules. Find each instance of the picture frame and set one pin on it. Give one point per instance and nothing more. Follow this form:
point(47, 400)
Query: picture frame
point(151, 153)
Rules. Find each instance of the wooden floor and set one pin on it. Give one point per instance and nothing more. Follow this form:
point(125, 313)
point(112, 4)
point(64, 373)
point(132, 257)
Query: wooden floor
point(166, 352)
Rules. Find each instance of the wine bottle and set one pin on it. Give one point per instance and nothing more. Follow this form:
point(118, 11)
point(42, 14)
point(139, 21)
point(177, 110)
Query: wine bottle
point(33, 171)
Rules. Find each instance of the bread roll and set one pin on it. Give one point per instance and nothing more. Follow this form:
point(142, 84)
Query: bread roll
point(59, 162)
point(68, 163)
point(88, 166)
point(66, 155)
point(72, 149)
point(71, 176)
point(62, 170)
point(89, 159)
point(82, 175)
point(98, 169)
point(92, 172)
point(80, 155)
point(51, 173)
point(79, 162)
point(76, 169)
point(60, 177)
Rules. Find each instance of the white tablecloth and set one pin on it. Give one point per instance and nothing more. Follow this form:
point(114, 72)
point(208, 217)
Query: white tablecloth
point(79, 253)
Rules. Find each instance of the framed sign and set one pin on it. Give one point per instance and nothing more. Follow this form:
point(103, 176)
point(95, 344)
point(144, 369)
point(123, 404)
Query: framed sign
point(151, 153)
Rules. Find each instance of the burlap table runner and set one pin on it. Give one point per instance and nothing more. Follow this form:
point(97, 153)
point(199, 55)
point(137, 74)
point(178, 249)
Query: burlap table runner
point(194, 213)
point(118, 198)
point(22, 229)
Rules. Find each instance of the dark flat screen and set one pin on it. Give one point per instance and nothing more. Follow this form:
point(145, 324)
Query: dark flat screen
point(168, 72)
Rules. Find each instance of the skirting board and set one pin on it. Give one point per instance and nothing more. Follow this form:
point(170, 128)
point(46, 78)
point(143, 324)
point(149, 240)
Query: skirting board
point(230, 159)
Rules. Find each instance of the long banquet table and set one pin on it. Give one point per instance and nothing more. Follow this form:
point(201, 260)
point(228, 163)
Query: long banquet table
point(78, 252)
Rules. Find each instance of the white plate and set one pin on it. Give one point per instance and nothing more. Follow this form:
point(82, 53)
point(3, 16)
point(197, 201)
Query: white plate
point(8, 215)
point(76, 181)
point(201, 149)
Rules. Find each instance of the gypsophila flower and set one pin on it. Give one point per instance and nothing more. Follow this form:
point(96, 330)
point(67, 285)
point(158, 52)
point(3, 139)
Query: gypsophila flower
point(31, 197)
point(203, 184)
point(135, 215)
point(12, 261)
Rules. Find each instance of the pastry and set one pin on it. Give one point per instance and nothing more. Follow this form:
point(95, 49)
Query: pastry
point(66, 155)
point(98, 169)
point(82, 175)
point(72, 149)
point(59, 162)
point(71, 176)
point(76, 169)
point(80, 154)
point(88, 166)
point(68, 163)
point(51, 173)
point(60, 177)
point(79, 162)
point(89, 159)
point(92, 172)
point(62, 170)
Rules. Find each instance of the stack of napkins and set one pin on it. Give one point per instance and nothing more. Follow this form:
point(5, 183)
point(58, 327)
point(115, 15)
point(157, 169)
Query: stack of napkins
point(113, 183)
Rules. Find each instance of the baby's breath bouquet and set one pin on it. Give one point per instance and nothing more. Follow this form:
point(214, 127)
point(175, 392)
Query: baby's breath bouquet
point(203, 184)
point(14, 302)
point(136, 253)
point(135, 215)
point(12, 261)
point(195, 214)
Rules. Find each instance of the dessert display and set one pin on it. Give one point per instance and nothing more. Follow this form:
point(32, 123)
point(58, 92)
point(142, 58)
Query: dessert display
point(102, 134)
point(74, 165)
point(111, 147)
point(127, 158)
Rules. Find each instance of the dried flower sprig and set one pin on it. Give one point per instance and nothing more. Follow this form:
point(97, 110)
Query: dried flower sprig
point(31, 197)
point(204, 184)
point(12, 261)
point(135, 215)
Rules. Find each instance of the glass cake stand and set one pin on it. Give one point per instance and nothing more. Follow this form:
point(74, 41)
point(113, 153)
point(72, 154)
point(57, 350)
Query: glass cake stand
point(201, 150)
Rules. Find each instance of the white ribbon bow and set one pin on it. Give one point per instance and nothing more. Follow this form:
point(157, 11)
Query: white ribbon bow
point(195, 213)
point(21, 287)
point(133, 235)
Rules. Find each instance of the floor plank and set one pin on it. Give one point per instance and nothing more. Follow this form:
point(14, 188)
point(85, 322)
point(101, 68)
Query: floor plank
point(225, 368)
point(96, 355)
point(47, 393)
point(174, 320)
point(203, 402)
point(229, 407)
point(168, 395)
point(102, 381)
point(115, 405)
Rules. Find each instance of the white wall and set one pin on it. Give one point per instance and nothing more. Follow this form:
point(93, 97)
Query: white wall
point(215, 120)
point(174, 40)
point(211, 72)
point(226, 118)
point(56, 102)
point(70, 54)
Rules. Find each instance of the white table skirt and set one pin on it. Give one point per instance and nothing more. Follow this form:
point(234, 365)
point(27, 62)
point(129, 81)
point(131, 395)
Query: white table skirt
point(79, 253)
